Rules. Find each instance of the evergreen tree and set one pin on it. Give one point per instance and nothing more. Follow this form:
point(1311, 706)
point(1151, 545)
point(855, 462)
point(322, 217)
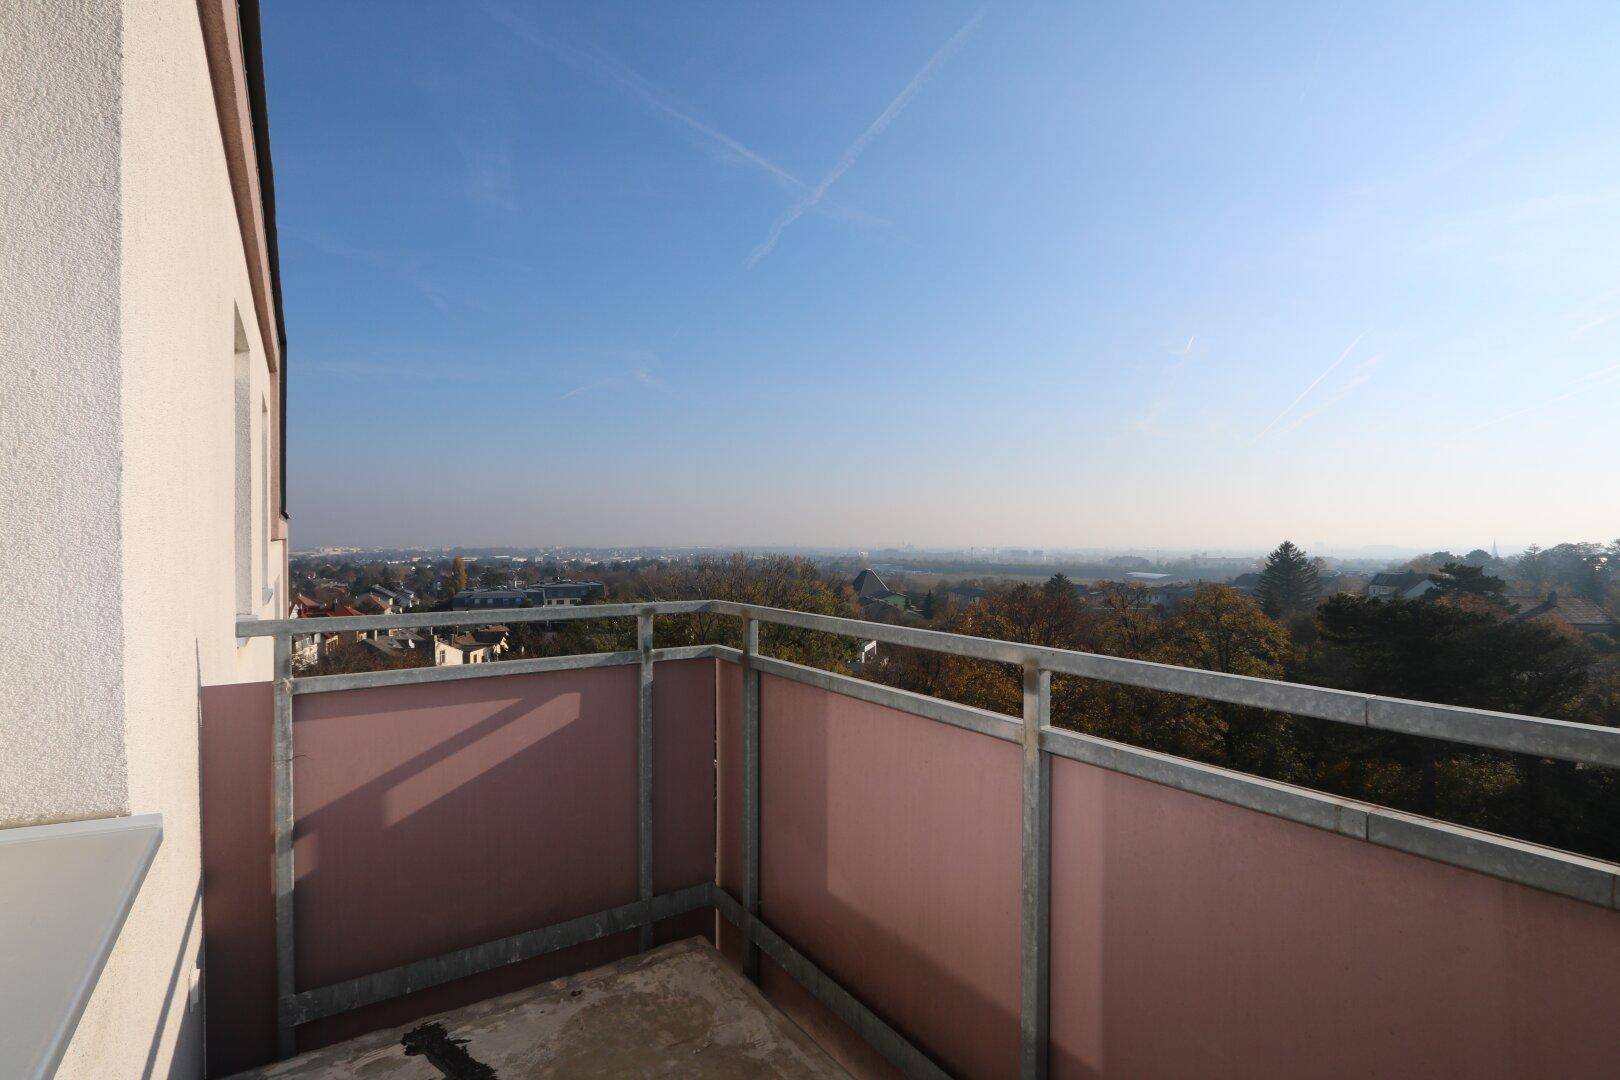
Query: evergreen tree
point(1460, 579)
point(1290, 583)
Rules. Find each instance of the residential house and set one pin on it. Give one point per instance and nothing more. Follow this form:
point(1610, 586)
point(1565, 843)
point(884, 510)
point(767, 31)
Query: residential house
point(1170, 598)
point(467, 649)
point(401, 646)
point(476, 599)
point(496, 637)
point(966, 595)
point(397, 599)
point(1582, 614)
point(871, 591)
point(563, 593)
point(308, 648)
point(1400, 585)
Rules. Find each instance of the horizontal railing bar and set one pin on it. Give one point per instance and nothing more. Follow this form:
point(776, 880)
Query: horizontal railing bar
point(1316, 701)
point(1575, 876)
point(364, 680)
point(1561, 739)
point(982, 721)
point(1566, 740)
point(1592, 880)
point(486, 617)
point(396, 982)
point(1240, 789)
point(894, 1047)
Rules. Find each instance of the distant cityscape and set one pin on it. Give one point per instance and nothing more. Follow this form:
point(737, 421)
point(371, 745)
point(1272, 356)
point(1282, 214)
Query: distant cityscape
point(887, 584)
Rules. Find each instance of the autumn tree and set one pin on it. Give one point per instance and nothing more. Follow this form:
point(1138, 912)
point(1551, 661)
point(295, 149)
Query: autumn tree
point(1220, 629)
point(456, 580)
point(778, 581)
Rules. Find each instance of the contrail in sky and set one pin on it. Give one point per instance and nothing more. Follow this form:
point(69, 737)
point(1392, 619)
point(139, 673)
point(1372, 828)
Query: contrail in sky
point(873, 130)
point(1585, 384)
point(1342, 356)
point(593, 61)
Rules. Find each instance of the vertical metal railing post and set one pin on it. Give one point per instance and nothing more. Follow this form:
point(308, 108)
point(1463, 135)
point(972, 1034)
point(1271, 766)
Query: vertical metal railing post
point(281, 754)
point(1035, 919)
point(644, 768)
point(750, 817)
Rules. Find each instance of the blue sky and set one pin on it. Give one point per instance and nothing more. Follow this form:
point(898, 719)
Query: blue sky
point(1056, 275)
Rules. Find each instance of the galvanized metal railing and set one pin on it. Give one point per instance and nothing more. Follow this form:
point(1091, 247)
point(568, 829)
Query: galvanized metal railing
point(1590, 880)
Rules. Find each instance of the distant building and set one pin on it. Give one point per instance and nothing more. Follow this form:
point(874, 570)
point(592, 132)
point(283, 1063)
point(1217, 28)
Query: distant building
point(565, 593)
point(1170, 598)
point(1583, 615)
point(475, 599)
point(397, 599)
point(868, 586)
point(549, 594)
point(966, 595)
point(399, 646)
point(1404, 585)
point(308, 648)
point(467, 649)
point(870, 590)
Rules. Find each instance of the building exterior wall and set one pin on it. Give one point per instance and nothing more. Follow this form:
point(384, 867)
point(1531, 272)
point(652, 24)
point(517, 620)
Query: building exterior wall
point(128, 315)
point(62, 753)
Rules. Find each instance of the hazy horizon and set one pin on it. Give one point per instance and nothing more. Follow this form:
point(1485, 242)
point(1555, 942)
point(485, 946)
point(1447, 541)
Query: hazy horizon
point(956, 274)
point(1367, 552)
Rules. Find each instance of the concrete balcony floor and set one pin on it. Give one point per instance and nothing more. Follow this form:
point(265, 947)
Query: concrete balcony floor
point(679, 1010)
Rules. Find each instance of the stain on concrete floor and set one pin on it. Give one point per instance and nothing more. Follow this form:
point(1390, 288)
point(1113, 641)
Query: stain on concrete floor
point(680, 1010)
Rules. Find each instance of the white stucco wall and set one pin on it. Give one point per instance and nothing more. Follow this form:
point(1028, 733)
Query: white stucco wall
point(121, 276)
point(61, 431)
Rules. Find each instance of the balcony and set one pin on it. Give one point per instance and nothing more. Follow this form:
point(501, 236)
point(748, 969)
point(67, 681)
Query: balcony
point(924, 888)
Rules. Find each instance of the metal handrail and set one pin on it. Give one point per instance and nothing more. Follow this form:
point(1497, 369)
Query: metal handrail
point(1562, 739)
point(1585, 879)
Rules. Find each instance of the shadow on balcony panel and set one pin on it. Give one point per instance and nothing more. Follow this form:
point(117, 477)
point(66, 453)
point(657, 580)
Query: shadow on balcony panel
point(439, 816)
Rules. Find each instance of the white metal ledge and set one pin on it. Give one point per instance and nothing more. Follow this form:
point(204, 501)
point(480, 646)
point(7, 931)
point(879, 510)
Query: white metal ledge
point(65, 891)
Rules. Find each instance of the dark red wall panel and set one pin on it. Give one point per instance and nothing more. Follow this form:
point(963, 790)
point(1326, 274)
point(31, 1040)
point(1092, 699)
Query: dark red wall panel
point(437, 816)
point(239, 941)
point(889, 857)
point(1195, 938)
